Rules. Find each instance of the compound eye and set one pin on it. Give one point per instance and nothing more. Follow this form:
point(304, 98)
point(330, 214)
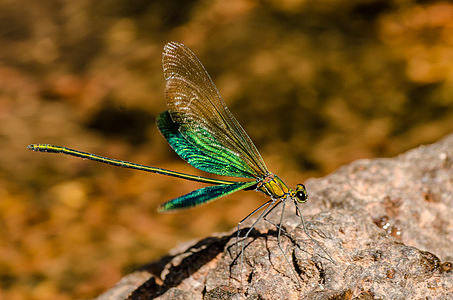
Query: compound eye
point(301, 196)
point(301, 193)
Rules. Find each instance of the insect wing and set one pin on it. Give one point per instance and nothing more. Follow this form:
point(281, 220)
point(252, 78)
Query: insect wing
point(194, 156)
point(204, 120)
point(204, 195)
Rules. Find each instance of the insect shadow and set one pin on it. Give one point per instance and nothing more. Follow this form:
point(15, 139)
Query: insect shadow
point(193, 259)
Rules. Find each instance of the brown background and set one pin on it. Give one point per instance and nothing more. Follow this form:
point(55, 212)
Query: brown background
point(316, 84)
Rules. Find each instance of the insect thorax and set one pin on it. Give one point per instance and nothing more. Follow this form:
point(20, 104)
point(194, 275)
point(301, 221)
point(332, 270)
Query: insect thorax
point(273, 186)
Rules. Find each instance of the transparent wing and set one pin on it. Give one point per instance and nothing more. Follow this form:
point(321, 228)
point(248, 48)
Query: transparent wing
point(204, 120)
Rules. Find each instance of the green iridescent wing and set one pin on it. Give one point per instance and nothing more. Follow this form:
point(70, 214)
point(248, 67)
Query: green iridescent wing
point(204, 195)
point(193, 155)
point(209, 130)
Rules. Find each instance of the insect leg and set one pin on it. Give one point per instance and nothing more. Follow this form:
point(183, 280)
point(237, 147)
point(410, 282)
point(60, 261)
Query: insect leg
point(298, 212)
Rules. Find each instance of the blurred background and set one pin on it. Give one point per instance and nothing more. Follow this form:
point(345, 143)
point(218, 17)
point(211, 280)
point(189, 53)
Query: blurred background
point(316, 84)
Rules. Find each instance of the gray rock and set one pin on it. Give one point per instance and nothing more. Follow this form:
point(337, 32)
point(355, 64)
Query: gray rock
point(387, 225)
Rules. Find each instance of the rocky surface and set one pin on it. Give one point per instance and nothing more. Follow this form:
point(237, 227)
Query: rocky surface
point(387, 225)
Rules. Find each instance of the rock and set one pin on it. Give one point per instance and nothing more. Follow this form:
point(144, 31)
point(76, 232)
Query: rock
point(383, 230)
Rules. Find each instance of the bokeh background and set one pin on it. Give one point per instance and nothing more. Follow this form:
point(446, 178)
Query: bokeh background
point(316, 84)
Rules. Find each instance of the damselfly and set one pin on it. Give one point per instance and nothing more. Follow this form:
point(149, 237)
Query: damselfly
point(201, 130)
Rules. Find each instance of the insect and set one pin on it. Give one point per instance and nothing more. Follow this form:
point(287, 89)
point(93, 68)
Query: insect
point(201, 130)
